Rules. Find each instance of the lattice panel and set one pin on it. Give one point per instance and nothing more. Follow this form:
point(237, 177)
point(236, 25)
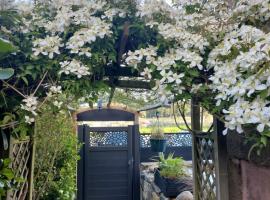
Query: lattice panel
point(173, 140)
point(21, 155)
point(108, 139)
point(206, 177)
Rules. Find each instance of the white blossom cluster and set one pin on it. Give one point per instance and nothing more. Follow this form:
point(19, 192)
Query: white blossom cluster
point(65, 16)
point(74, 67)
point(239, 55)
point(47, 46)
point(257, 9)
point(186, 39)
point(246, 112)
point(112, 12)
point(52, 95)
point(87, 36)
point(163, 64)
point(150, 7)
point(30, 104)
point(230, 78)
point(240, 60)
point(136, 57)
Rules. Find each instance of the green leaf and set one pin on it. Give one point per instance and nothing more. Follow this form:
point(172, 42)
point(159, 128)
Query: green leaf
point(264, 94)
point(6, 73)
point(264, 140)
point(267, 134)
point(8, 173)
point(6, 47)
point(25, 80)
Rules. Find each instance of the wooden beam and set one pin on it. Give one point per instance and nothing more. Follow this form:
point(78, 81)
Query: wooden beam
point(155, 106)
point(133, 84)
point(120, 71)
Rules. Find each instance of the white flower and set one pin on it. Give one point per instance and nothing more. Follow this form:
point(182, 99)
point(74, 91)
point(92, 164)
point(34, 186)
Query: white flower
point(29, 120)
point(47, 46)
point(58, 104)
point(136, 57)
point(177, 77)
point(30, 104)
point(74, 67)
point(166, 77)
point(195, 88)
point(85, 51)
point(56, 89)
point(147, 73)
point(98, 29)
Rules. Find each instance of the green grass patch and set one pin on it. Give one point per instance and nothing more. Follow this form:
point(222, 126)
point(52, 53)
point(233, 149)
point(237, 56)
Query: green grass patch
point(168, 129)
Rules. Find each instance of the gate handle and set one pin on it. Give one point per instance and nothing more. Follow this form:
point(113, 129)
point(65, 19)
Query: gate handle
point(130, 162)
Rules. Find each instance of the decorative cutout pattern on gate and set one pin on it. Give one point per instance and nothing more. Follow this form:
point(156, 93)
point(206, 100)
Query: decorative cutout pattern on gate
point(205, 166)
point(108, 139)
point(173, 140)
point(119, 139)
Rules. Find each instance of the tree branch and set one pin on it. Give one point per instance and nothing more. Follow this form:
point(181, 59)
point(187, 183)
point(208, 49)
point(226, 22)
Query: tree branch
point(123, 42)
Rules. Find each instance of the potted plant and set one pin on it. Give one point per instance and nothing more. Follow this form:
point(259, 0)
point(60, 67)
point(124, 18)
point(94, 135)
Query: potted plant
point(157, 140)
point(170, 177)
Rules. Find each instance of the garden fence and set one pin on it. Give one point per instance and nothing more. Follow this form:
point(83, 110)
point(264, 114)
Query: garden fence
point(180, 144)
point(21, 154)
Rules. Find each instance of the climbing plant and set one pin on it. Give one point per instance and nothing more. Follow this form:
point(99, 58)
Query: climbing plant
point(215, 51)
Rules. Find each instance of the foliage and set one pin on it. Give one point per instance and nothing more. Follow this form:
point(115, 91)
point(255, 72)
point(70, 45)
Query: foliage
point(183, 50)
point(8, 180)
point(157, 133)
point(171, 167)
point(214, 51)
point(56, 156)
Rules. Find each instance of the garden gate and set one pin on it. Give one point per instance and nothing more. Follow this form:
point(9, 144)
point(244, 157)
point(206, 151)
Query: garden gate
point(109, 165)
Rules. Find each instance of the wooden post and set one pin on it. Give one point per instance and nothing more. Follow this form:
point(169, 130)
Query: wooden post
point(32, 167)
point(196, 127)
point(221, 161)
point(136, 154)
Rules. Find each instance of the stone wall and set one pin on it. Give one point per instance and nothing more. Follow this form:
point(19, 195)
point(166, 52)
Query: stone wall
point(149, 190)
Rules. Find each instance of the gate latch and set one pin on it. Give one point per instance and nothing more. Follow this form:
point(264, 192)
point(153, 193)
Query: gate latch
point(130, 162)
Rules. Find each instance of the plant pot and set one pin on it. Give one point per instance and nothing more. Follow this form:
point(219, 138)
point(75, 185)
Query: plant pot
point(158, 145)
point(171, 188)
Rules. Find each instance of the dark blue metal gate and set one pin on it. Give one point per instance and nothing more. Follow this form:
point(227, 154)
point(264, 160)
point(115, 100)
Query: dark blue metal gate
point(109, 165)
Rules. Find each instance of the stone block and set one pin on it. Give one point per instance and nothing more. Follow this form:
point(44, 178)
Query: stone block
point(186, 195)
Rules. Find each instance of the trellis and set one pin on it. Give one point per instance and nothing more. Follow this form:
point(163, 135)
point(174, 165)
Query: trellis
point(21, 154)
point(210, 159)
point(205, 166)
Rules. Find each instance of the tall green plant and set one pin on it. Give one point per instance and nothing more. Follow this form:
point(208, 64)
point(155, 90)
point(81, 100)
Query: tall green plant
point(56, 156)
point(171, 167)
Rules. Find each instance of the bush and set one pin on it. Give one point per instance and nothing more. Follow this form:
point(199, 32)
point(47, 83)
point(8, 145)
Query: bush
point(56, 156)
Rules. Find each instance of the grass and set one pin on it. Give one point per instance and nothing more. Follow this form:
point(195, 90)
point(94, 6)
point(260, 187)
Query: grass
point(168, 129)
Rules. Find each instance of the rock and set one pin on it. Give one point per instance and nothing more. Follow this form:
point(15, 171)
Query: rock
point(162, 197)
point(155, 196)
point(186, 195)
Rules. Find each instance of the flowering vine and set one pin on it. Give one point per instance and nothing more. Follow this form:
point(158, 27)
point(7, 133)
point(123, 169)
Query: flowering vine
point(218, 51)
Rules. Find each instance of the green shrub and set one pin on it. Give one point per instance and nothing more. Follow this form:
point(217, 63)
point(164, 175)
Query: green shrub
point(56, 156)
point(171, 167)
